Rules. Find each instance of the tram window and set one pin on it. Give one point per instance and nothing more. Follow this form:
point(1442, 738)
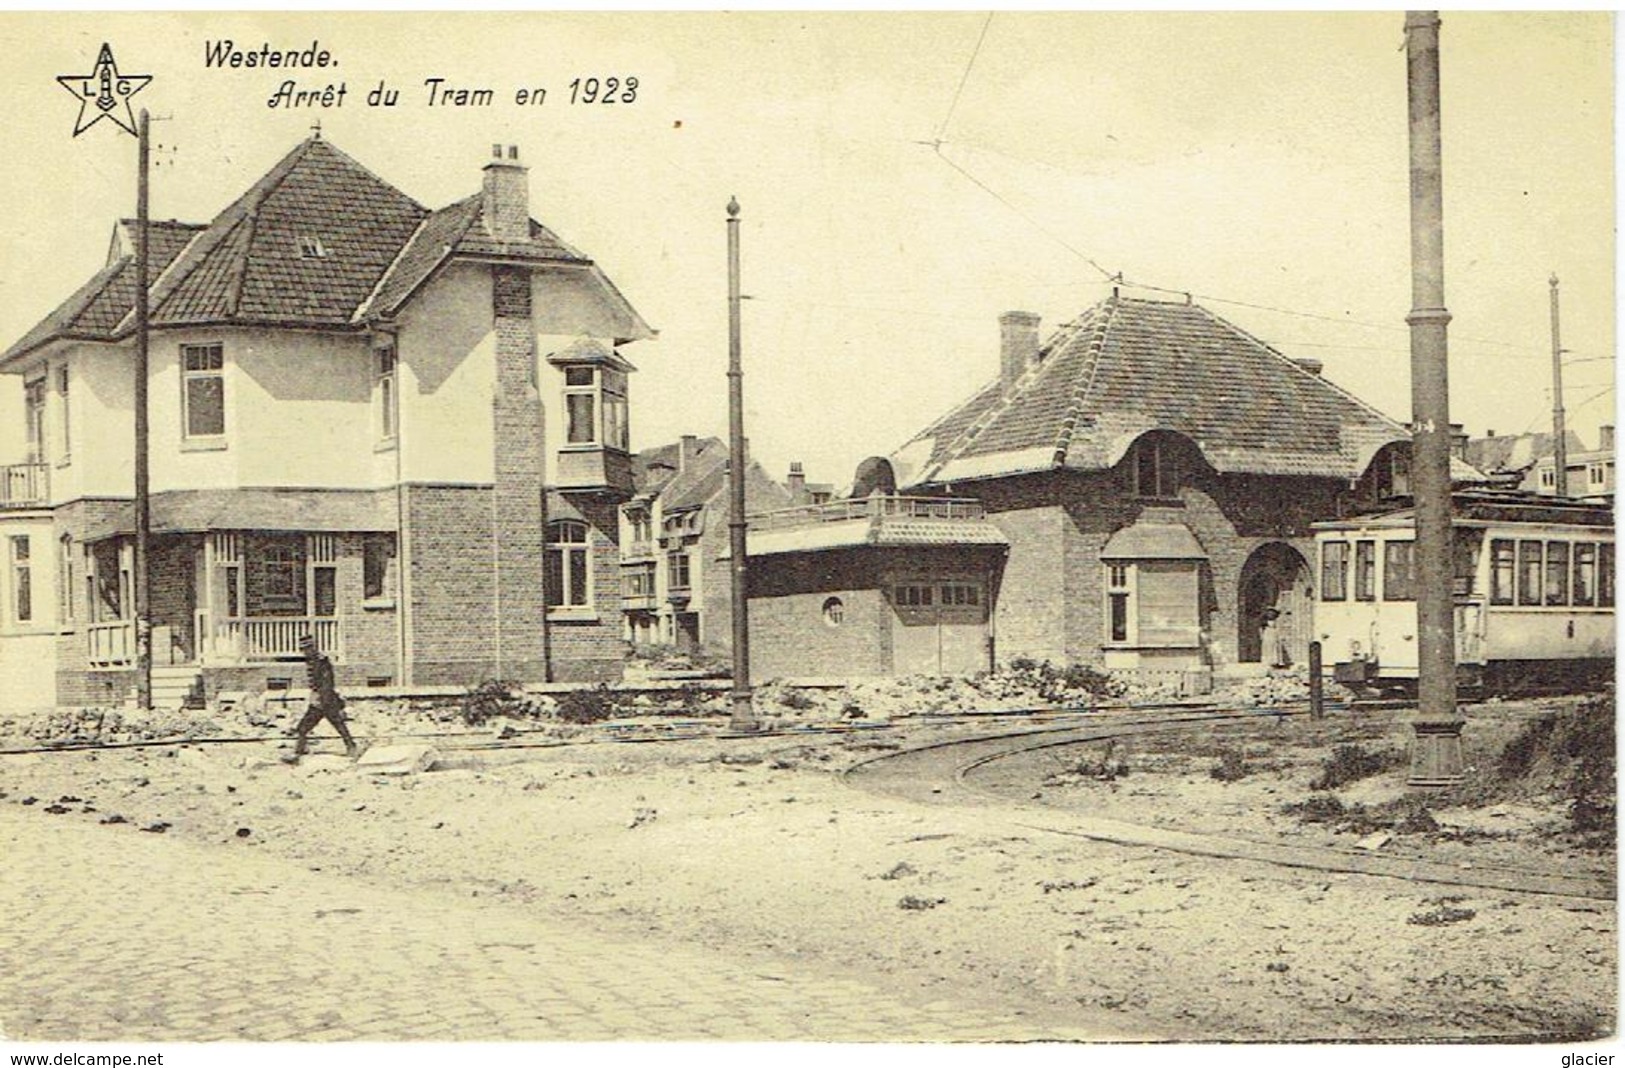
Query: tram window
point(1503, 569)
point(1529, 567)
point(1585, 573)
point(1334, 568)
point(1365, 571)
point(1399, 571)
point(1557, 572)
point(1464, 561)
point(1605, 574)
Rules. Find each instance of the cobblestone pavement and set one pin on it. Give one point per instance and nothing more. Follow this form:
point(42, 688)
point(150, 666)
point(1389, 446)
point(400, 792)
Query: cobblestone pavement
point(109, 933)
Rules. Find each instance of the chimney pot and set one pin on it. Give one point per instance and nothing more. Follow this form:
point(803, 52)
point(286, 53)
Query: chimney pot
point(1309, 363)
point(496, 151)
point(513, 152)
point(685, 452)
point(1018, 344)
point(797, 483)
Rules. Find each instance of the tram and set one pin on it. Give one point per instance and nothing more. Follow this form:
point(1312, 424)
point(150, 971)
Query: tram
point(1533, 579)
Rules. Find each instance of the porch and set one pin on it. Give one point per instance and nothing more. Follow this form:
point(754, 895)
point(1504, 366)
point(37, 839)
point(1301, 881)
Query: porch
point(229, 597)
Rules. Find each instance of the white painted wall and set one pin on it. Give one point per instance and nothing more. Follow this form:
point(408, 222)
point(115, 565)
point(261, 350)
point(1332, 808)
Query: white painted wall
point(447, 354)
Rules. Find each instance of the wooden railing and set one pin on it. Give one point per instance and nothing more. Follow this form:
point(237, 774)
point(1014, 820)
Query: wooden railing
point(111, 645)
point(24, 485)
point(276, 637)
point(869, 507)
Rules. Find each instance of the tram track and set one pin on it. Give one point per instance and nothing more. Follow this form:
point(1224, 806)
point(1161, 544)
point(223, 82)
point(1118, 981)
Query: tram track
point(947, 773)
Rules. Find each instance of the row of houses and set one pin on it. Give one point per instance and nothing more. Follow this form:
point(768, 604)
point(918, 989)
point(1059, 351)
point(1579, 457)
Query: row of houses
point(406, 432)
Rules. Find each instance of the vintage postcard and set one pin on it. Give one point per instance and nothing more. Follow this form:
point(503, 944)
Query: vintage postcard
point(872, 527)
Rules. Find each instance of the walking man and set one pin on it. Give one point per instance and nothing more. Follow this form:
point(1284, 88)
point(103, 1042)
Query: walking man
point(325, 702)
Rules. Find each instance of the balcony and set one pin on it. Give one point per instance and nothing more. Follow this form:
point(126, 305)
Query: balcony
point(638, 550)
point(869, 508)
point(876, 520)
point(25, 485)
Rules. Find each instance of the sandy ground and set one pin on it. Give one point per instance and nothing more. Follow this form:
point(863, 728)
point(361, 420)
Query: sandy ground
point(757, 844)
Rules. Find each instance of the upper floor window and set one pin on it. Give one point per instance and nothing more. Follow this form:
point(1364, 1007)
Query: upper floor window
point(567, 575)
point(203, 390)
point(1597, 474)
point(67, 421)
point(595, 407)
point(1548, 477)
point(677, 576)
point(384, 401)
point(1156, 472)
point(34, 420)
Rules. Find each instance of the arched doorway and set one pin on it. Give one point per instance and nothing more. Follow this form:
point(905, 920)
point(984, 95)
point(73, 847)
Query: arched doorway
point(1275, 606)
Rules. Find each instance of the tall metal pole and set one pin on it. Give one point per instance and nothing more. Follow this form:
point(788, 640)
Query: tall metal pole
point(743, 717)
point(1560, 447)
point(1436, 757)
point(143, 514)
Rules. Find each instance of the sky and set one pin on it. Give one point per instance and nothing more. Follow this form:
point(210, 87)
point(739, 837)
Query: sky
point(904, 178)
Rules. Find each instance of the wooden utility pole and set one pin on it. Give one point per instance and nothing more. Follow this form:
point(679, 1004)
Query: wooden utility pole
point(143, 512)
point(1436, 756)
point(743, 717)
point(1560, 446)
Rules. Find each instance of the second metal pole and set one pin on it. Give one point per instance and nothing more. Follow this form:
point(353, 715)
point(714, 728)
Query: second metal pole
point(743, 716)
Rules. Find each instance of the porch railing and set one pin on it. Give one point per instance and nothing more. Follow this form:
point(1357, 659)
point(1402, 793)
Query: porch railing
point(275, 637)
point(111, 645)
point(24, 485)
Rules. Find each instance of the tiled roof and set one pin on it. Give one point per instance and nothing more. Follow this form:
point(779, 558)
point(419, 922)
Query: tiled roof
point(1515, 452)
point(318, 241)
point(183, 511)
point(99, 305)
point(251, 264)
point(1127, 366)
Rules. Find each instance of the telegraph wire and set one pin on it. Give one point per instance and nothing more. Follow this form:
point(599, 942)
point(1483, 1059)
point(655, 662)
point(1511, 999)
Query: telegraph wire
point(942, 131)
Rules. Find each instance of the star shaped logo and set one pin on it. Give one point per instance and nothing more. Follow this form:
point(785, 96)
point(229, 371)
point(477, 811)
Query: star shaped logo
point(104, 93)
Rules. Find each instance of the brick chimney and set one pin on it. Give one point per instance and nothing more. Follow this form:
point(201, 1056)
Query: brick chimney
point(1605, 437)
point(1018, 344)
point(1458, 441)
point(797, 483)
point(507, 196)
point(687, 450)
point(1309, 363)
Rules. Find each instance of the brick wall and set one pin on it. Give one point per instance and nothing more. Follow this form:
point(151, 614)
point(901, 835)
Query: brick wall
point(788, 635)
point(76, 684)
point(172, 596)
point(1051, 603)
point(585, 650)
point(451, 584)
point(517, 436)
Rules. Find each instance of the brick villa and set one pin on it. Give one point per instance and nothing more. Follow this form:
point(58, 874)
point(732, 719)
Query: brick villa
point(1134, 493)
point(348, 393)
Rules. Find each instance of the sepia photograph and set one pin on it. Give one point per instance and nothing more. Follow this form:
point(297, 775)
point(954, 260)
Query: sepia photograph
point(943, 531)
